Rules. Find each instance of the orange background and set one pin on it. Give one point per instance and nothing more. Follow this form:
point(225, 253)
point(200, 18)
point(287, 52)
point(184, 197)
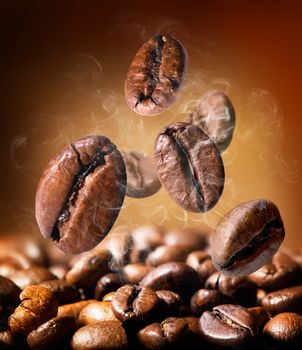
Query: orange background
point(63, 65)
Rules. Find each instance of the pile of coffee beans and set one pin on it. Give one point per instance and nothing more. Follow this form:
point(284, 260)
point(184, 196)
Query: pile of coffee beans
point(163, 292)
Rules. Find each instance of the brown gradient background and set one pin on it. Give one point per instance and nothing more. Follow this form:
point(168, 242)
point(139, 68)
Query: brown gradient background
point(63, 65)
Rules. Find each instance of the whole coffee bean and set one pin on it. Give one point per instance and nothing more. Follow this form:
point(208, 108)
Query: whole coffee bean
point(241, 289)
point(285, 329)
point(261, 316)
point(247, 237)
point(133, 303)
point(284, 300)
point(168, 301)
point(89, 268)
point(281, 272)
point(165, 253)
point(31, 276)
point(206, 299)
point(228, 325)
point(97, 311)
point(64, 291)
point(165, 334)
point(103, 335)
point(134, 273)
point(80, 194)
point(9, 292)
point(176, 276)
point(73, 309)
point(108, 283)
point(187, 237)
point(215, 115)
point(56, 332)
point(38, 305)
point(149, 236)
point(201, 261)
point(7, 339)
point(189, 166)
point(142, 179)
point(108, 297)
point(155, 75)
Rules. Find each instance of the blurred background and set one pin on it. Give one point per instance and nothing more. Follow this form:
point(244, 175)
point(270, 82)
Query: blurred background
point(63, 66)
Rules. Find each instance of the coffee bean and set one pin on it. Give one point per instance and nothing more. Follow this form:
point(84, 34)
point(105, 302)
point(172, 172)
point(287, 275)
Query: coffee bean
point(285, 329)
point(168, 301)
point(284, 300)
point(189, 238)
point(189, 166)
point(142, 180)
point(165, 334)
point(108, 283)
point(59, 270)
point(80, 194)
point(155, 75)
point(134, 273)
point(201, 261)
point(261, 316)
point(133, 303)
point(164, 254)
point(7, 339)
point(176, 276)
point(38, 305)
point(247, 237)
point(73, 309)
point(57, 331)
point(108, 297)
point(9, 292)
point(64, 291)
point(215, 115)
point(97, 311)
point(228, 325)
point(31, 276)
point(148, 236)
point(103, 335)
point(260, 296)
point(281, 272)
point(119, 245)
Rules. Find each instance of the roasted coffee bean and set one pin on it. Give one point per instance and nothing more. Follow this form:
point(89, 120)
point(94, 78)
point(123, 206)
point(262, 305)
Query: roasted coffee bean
point(108, 297)
point(189, 166)
point(80, 194)
point(241, 289)
point(134, 273)
point(133, 303)
point(281, 272)
point(228, 325)
point(89, 268)
point(64, 291)
point(59, 270)
point(38, 305)
point(285, 329)
point(176, 276)
point(165, 253)
point(247, 237)
point(31, 276)
point(261, 316)
point(215, 115)
point(168, 301)
point(56, 332)
point(108, 283)
point(103, 335)
point(165, 334)
point(148, 236)
point(73, 309)
point(142, 179)
point(284, 300)
point(201, 261)
point(119, 245)
point(7, 339)
point(155, 75)
point(206, 299)
point(9, 292)
point(97, 311)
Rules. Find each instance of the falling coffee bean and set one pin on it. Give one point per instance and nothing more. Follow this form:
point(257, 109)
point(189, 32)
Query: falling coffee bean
point(142, 180)
point(215, 115)
point(155, 75)
point(80, 194)
point(189, 166)
point(247, 237)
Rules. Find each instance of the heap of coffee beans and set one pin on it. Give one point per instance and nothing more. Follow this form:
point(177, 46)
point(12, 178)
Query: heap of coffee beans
point(162, 293)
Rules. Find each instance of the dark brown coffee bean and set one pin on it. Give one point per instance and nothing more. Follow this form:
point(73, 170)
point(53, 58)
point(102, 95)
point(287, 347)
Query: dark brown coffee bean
point(56, 332)
point(38, 305)
point(89, 268)
point(134, 273)
point(189, 166)
point(142, 179)
point(64, 291)
point(281, 272)
point(186, 237)
point(155, 75)
point(7, 339)
point(73, 309)
point(168, 301)
point(165, 253)
point(201, 261)
point(284, 300)
point(97, 311)
point(31, 276)
point(103, 335)
point(205, 299)
point(215, 115)
point(228, 325)
point(133, 303)
point(164, 334)
point(285, 329)
point(9, 292)
point(108, 283)
point(176, 276)
point(247, 237)
point(261, 316)
point(80, 194)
